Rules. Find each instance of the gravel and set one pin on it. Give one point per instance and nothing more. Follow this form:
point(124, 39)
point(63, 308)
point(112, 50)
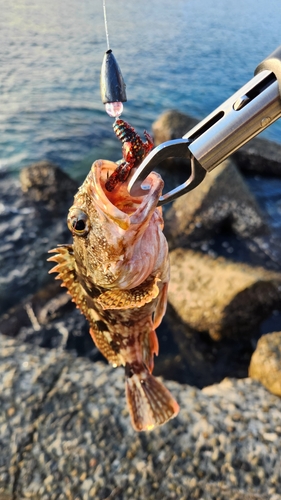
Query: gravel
point(66, 434)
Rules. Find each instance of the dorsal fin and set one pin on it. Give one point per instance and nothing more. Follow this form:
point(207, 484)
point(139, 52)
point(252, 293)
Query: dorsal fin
point(66, 269)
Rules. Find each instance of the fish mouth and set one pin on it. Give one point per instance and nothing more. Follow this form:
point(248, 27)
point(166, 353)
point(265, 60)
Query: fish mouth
point(118, 204)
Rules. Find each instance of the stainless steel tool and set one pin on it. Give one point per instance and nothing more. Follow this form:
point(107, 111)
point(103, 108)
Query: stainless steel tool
point(243, 116)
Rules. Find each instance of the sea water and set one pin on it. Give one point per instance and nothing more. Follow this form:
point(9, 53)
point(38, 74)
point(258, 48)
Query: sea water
point(189, 55)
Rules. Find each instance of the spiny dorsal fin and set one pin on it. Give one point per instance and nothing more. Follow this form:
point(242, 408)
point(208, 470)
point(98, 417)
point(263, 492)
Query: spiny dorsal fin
point(66, 270)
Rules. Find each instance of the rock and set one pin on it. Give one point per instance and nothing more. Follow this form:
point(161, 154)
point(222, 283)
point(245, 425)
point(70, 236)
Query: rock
point(201, 361)
point(35, 309)
point(46, 183)
point(266, 362)
point(223, 198)
point(50, 319)
point(220, 297)
point(66, 433)
point(260, 156)
point(28, 230)
point(170, 125)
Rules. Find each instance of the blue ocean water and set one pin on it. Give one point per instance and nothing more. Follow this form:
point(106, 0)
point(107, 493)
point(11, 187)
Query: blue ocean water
point(190, 55)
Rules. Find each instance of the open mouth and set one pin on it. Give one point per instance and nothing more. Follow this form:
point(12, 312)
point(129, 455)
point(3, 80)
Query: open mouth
point(120, 197)
point(118, 205)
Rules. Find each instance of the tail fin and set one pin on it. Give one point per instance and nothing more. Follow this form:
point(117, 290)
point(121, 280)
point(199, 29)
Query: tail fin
point(150, 403)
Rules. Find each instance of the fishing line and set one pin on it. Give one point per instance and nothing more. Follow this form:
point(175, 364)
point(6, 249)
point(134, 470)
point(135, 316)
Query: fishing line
point(113, 88)
point(105, 25)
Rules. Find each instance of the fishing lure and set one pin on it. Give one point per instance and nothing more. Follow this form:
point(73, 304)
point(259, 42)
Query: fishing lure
point(134, 150)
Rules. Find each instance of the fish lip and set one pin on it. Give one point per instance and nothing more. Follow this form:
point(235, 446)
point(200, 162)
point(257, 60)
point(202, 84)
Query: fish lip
point(105, 200)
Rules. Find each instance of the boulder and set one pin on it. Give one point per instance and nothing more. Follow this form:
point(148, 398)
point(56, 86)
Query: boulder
point(31, 224)
point(225, 299)
point(170, 125)
point(200, 360)
point(66, 433)
point(223, 198)
point(36, 310)
point(266, 362)
point(50, 319)
point(47, 184)
point(259, 156)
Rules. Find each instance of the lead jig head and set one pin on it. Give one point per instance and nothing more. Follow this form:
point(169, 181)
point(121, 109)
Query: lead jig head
point(112, 85)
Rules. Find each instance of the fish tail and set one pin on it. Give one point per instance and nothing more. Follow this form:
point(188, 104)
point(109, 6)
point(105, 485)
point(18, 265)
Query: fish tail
point(150, 403)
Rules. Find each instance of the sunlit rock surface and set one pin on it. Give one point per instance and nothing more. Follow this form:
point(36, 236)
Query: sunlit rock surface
point(265, 364)
point(223, 298)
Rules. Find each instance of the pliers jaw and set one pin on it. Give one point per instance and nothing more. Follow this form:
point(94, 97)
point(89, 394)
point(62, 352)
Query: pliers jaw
point(177, 148)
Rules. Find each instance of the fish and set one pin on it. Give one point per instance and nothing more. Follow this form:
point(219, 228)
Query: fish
point(117, 272)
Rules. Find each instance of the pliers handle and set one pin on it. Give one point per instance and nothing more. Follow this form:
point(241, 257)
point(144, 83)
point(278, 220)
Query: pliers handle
point(243, 116)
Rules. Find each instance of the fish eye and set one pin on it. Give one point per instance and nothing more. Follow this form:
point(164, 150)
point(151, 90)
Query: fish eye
point(78, 222)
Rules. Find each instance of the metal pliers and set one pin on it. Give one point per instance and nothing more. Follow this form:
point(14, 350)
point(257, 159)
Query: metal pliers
point(243, 116)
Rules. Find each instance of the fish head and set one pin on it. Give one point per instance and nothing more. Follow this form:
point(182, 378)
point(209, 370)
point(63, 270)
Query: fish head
point(117, 238)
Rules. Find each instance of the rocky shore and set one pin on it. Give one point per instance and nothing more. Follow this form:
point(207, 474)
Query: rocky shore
point(65, 432)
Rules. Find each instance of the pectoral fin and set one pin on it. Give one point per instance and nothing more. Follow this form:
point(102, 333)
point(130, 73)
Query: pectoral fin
point(129, 299)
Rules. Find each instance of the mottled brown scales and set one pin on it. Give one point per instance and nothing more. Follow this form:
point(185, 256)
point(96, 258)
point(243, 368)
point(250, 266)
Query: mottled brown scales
point(117, 273)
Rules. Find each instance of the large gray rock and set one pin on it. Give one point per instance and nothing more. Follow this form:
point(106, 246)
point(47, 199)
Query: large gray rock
point(260, 156)
point(220, 297)
point(50, 319)
point(47, 184)
point(265, 364)
point(66, 433)
point(200, 360)
point(29, 227)
point(171, 124)
point(222, 198)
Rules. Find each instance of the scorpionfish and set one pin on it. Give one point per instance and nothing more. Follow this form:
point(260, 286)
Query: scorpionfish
point(117, 272)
